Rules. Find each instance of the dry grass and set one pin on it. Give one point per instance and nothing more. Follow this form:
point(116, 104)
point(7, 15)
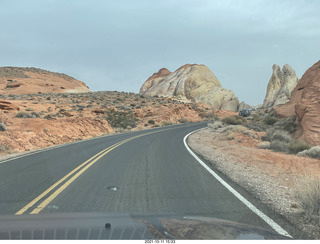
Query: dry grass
point(308, 195)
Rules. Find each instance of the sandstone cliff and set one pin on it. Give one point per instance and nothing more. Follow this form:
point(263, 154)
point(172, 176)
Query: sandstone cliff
point(280, 86)
point(304, 103)
point(16, 80)
point(191, 83)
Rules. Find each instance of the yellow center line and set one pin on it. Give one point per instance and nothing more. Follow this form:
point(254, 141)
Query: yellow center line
point(65, 185)
point(85, 166)
point(34, 201)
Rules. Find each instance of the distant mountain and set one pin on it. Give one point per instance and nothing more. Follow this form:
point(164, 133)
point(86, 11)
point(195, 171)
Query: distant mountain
point(191, 83)
point(17, 80)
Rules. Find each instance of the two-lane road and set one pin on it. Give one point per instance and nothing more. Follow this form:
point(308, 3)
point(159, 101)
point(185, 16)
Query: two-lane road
point(145, 172)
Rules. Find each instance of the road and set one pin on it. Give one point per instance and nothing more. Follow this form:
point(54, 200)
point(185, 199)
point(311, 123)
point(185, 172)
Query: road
point(145, 172)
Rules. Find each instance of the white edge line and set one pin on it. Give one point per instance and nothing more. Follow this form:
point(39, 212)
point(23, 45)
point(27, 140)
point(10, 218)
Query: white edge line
point(264, 217)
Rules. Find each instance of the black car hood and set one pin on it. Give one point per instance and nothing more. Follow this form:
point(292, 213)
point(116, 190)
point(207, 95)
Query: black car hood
point(115, 226)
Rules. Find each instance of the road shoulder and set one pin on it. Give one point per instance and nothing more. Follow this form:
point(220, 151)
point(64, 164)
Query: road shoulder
point(266, 181)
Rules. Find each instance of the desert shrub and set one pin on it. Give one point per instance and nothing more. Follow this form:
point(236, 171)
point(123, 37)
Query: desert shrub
point(291, 127)
point(183, 120)
point(166, 123)
point(121, 119)
point(210, 116)
point(5, 148)
point(298, 146)
point(281, 135)
point(264, 145)
point(22, 114)
point(230, 136)
point(151, 121)
point(258, 126)
point(29, 109)
point(3, 127)
point(308, 195)
point(270, 120)
point(250, 133)
point(35, 115)
point(279, 146)
point(255, 117)
point(313, 152)
point(234, 120)
point(237, 128)
point(49, 116)
point(216, 124)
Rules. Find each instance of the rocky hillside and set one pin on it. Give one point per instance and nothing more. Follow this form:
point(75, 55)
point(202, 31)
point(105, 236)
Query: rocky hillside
point(16, 80)
point(304, 103)
point(191, 83)
point(33, 121)
point(280, 86)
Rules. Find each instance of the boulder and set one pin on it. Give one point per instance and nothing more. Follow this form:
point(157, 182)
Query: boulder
point(191, 83)
point(280, 86)
point(304, 103)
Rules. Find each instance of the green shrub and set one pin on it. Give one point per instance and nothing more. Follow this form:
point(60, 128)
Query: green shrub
point(3, 127)
point(183, 120)
point(313, 152)
point(270, 120)
point(279, 146)
point(121, 119)
point(151, 121)
point(281, 135)
point(298, 146)
point(234, 120)
point(22, 114)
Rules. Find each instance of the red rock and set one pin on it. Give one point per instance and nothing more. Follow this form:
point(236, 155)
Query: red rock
point(304, 103)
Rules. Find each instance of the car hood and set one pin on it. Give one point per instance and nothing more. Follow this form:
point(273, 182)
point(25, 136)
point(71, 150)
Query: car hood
point(115, 226)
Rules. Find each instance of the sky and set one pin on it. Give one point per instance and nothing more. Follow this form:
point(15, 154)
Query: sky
point(117, 44)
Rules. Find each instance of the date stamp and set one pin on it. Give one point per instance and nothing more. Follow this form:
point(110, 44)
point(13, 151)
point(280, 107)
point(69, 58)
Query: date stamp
point(160, 241)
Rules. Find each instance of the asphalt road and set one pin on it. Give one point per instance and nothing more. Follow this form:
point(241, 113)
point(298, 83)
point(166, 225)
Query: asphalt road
point(145, 172)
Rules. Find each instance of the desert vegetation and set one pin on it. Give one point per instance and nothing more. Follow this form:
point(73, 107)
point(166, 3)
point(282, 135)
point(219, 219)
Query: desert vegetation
point(280, 133)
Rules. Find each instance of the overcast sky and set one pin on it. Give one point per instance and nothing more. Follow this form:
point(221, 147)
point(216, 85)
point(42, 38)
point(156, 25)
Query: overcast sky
point(118, 44)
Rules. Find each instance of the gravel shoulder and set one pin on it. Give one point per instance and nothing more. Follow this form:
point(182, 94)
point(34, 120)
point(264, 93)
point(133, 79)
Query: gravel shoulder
point(271, 177)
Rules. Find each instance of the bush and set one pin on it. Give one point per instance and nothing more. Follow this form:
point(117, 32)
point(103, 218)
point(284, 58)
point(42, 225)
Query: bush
point(290, 127)
point(298, 146)
point(270, 120)
point(151, 121)
point(121, 119)
point(183, 120)
point(49, 116)
point(23, 115)
point(308, 195)
point(216, 125)
point(264, 145)
point(234, 120)
point(166, 123)
point(210, 116)
point(313, 152)
point(281, 135)
point(279, 146)
point(3, 127)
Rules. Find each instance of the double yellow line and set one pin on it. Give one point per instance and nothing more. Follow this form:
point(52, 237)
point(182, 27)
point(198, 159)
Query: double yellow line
point(65, 183)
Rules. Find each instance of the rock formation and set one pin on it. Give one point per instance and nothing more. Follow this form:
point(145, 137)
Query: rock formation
point(191, 83)
point(280, 86)
point(304, 103)
point(16, 81)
